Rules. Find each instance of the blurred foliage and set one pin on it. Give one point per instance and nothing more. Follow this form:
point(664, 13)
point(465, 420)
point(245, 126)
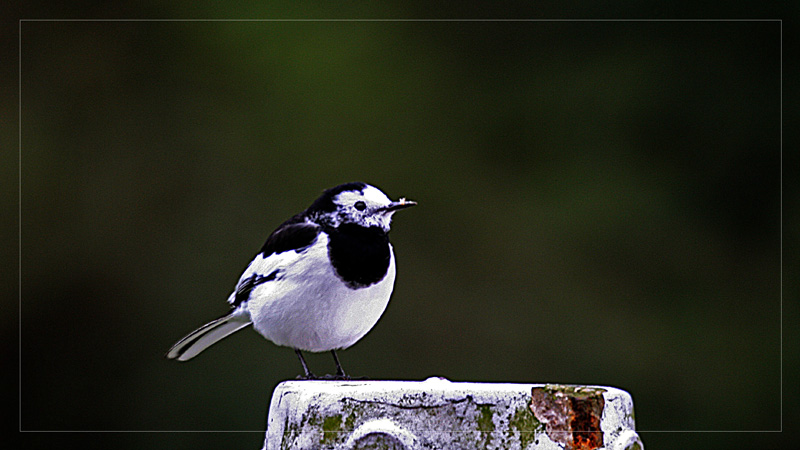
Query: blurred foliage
point(599, 204)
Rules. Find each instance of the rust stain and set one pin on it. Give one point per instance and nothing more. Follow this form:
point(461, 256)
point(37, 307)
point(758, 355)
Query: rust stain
point(571, 415)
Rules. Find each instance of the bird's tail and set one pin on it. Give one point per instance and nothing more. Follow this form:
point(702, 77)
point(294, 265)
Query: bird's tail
point(205, 336)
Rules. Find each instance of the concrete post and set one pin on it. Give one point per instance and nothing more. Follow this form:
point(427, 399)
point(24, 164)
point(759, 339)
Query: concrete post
point(439, 414)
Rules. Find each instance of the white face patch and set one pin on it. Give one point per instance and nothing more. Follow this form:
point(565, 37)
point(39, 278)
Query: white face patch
point(375, 195)
point(363, 208)
point(372, 196)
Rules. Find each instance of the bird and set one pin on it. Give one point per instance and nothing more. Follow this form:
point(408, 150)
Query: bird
point(319, 283)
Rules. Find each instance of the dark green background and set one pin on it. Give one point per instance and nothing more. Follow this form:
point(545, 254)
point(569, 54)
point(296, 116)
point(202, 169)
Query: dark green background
point(600, 203)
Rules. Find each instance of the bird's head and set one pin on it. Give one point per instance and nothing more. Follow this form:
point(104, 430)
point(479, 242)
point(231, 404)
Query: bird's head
point(357, 203)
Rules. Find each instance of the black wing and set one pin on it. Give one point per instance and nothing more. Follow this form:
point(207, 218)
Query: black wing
point(246, 287)
point(294, 234)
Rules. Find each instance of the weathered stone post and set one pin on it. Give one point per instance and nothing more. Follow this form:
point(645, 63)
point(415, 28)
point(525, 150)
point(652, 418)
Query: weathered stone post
point(439, 414)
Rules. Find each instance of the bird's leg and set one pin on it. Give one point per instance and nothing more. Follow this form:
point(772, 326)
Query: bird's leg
point(308, 375)
point(339, 371)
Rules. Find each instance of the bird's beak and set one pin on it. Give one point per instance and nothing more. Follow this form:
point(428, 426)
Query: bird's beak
point(398, 205)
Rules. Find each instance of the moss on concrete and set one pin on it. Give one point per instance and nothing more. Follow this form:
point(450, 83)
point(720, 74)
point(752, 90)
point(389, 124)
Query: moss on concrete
point(331, 428)
point(524, 422)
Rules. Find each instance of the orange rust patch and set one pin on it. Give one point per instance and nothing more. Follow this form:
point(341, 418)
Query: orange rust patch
point(571, 415)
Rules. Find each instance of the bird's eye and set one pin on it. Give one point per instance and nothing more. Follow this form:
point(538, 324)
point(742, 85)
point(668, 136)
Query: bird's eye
point(359, 205)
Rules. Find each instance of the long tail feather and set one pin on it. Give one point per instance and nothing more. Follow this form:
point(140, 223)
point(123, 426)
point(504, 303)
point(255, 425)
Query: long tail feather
point(205, 336)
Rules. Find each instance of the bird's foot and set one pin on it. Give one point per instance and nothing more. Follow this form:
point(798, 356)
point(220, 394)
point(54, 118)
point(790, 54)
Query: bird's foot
point(341, 377)
point(337, 377)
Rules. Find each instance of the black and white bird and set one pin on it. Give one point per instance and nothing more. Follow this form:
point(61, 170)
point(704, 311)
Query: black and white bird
point(320, 282)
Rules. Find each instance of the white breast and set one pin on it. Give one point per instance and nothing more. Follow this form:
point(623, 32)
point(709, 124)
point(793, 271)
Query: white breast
point(309, 308)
